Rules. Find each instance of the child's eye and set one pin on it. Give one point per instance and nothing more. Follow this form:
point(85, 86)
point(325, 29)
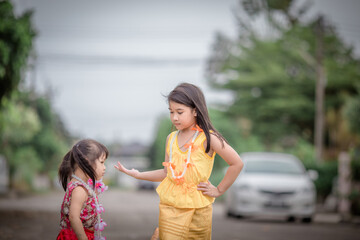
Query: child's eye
point(180, 113)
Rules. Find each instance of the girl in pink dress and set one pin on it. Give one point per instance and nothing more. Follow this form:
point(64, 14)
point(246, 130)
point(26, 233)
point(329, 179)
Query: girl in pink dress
point(80, 174)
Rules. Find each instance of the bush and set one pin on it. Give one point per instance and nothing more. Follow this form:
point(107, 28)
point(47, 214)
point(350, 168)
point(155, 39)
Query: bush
point(355, 165)
point(327, 173)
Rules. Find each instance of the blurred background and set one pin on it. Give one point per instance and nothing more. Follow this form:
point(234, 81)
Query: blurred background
point(278, 76)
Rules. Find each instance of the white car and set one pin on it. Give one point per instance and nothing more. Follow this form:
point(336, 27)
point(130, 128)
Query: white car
point(272, 184)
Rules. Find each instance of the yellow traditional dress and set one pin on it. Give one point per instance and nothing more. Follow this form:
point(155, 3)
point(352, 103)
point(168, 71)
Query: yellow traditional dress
point(185, 213)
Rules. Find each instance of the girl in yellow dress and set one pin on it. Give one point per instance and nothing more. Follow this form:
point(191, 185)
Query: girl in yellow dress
point(186, 195)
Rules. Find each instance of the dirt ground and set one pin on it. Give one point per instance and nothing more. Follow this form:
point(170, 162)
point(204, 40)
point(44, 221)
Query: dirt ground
point(134, 215)
point(28, 225)
point(129, 215)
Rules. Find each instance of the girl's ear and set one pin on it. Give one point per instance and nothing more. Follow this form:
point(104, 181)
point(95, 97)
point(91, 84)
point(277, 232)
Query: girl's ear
point(195, 113)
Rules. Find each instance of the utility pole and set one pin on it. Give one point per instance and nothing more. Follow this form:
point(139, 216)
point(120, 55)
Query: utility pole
point(320, 91)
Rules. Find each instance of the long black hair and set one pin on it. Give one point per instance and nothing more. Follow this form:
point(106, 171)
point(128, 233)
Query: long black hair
point(83, 155)
point(192, 96)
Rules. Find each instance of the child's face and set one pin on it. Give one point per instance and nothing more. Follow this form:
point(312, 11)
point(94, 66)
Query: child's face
point(100, 167)
point(181, 115)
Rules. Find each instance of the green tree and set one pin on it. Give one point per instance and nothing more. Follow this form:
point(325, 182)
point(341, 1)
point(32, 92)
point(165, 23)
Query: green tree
point(29, 126)
point(237, 134)
point(157, 149)
point(19, 124)
point(352, 113)
point(273, 76)
point(32, 136)
point(16, 36)
point(52, 140)
point(27, 164)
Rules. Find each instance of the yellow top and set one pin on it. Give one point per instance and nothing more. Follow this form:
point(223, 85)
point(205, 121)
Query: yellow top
point(183, 193)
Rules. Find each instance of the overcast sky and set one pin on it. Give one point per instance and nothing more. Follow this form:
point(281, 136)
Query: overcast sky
point(109, 63)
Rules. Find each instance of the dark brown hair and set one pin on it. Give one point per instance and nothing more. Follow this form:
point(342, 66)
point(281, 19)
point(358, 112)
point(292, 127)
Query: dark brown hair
point(83, 155)
point(192, 96)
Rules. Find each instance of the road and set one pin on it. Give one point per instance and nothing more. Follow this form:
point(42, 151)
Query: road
point(134, 215)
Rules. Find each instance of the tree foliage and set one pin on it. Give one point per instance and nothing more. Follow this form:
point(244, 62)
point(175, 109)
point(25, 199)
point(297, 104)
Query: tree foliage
point(273, 77)
point(32, 137)
point(16, 37)
point(157, 149)
point(19, 124)
point(352, 113)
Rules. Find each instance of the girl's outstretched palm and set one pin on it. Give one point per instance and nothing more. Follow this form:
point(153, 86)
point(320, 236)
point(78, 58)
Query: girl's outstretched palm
point(133, 172)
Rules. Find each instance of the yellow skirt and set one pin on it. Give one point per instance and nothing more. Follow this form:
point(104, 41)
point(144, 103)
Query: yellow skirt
point(185, 223)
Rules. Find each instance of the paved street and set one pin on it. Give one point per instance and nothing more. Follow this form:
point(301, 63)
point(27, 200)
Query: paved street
point(134, 215)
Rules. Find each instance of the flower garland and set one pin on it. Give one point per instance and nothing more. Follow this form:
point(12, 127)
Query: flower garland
point(179, 177)
point(99, 188)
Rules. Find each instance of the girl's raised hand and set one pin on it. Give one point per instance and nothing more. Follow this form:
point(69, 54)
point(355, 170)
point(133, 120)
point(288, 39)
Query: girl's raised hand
point(133, 172)
point(208, 189)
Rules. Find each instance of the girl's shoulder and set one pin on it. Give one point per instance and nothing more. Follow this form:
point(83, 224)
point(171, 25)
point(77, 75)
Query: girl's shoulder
point(168, 140)
point(170, 136)
point(75, 184)
point(80, 194)
point(203, 137)
point(215, 140)
point(172, 133)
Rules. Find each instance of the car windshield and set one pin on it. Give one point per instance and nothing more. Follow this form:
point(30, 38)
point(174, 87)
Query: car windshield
point(273, 167)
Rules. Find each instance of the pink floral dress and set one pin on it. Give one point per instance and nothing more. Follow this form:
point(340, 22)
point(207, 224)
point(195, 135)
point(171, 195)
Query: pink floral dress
point(88, 214)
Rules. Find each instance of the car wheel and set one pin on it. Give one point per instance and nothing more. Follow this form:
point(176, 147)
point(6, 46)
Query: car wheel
point(229, 214)
point(307, 220)
point(290, 219)
point(238, 216)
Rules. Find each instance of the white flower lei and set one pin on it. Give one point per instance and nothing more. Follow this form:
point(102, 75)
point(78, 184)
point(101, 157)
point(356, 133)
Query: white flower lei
point(188, 156)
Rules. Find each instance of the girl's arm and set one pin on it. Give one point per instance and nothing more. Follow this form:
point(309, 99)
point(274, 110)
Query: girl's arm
point(78, 198)
point(154, 176)
point(235, 166)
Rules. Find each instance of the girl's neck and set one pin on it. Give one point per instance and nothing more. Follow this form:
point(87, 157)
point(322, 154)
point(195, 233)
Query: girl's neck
point(79, 173)
point(188, 130)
